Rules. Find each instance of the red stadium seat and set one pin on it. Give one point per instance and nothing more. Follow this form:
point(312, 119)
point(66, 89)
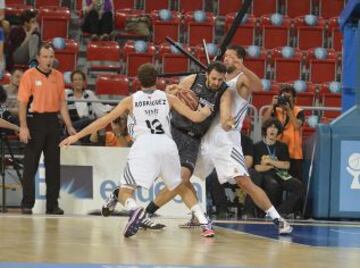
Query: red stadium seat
point(309, 36)
point(322, 70)
point(103, 55)
point(47, 3)
point(228, 6)
point(16, 10)
point(294, 8)
point(150, 5)
point(190, 5)
point(117, 84)
point(330, 99)
point(162, 29)
point(245, 34)
point(275, 35)
point(122, 14)
point(200, 53)
point(336, 35)
point(14, 2)
point(196, 31)
point(287, 69)
point(263, 98)
point(261, 7)
point(257, 64)
point(331, 8)
point(54, 22)
point(68, 57)
point(121, 4)
point(133, 60)
point(172, 63)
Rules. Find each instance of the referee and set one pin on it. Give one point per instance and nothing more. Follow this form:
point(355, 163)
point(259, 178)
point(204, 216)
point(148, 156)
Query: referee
point(41, 97)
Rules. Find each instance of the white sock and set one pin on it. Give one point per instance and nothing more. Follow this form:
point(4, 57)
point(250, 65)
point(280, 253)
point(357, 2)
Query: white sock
point(272, 212)
point(130, 204)
point(199, 214)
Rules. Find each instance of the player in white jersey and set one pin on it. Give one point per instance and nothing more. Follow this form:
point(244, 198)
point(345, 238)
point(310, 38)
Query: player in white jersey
point(150, 111)
point(221, 145)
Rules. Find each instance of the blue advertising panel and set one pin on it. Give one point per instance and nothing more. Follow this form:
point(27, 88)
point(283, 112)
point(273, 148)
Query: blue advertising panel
point(349, 190)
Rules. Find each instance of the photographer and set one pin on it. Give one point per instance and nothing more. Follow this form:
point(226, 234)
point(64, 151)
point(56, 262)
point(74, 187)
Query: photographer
point(292, 119)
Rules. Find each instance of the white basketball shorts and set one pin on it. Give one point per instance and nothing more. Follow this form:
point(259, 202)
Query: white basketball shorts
point(221, 150)
point(152, 156)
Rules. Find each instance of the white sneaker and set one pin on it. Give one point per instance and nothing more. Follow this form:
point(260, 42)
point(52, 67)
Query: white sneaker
point(284, 227)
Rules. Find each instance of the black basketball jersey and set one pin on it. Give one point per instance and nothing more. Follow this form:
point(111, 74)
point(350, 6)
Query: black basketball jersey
point(207, 97)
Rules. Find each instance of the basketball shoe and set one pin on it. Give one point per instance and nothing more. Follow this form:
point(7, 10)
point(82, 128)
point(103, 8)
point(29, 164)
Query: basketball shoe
point(193, 222)
point(284, 228)
point(207, 230)
point(147, 223)
point(110, 203)
point(133, 225)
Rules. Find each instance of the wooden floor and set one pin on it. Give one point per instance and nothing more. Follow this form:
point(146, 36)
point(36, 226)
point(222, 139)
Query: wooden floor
point(92, 239)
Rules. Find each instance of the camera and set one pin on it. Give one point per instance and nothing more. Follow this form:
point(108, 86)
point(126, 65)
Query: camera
point(283, 100)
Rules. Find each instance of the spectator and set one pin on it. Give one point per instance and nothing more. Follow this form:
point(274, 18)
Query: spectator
point(273, 162)
point(12, 91)
point(23, 41)
point(41, 97)
point(98, 18)
point(83, 113)
point(118, 137)
point(292, 119)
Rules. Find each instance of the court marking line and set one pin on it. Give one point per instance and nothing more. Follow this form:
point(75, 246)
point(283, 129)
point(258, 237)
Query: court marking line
point(282, 239)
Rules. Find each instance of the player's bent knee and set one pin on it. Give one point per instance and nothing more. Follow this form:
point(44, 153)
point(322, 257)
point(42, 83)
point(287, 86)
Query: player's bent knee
point(244, 182)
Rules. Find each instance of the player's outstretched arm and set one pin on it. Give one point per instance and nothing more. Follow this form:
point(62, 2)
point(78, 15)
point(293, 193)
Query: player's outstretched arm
point(226, 119)
point(254, 82)
point(185, 83)
point(124, 106)
point(195, 116)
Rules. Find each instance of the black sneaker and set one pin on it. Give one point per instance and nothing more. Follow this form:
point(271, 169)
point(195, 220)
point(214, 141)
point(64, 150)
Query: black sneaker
point(147, 223)
point(133, 225)
point(55, 211)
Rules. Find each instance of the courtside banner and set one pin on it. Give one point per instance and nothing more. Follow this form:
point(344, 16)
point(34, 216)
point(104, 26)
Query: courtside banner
point(88, 176)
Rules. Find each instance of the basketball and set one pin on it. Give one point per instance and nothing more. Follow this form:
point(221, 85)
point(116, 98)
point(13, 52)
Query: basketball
point(189, 98)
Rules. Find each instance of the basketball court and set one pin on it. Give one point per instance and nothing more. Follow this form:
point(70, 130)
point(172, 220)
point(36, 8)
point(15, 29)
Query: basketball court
point(93, 241)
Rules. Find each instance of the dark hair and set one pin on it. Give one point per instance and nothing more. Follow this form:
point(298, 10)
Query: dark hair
point(147, 75)
point(288, 89)
point(268, 123)
point(45, 46)
point(217, 66)
point(3, 94)
point(240, 51)
point(27, 15)
point(77, 72)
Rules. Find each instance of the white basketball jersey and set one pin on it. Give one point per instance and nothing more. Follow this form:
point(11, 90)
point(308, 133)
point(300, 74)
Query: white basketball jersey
point(239, 104)
point(150, 115)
